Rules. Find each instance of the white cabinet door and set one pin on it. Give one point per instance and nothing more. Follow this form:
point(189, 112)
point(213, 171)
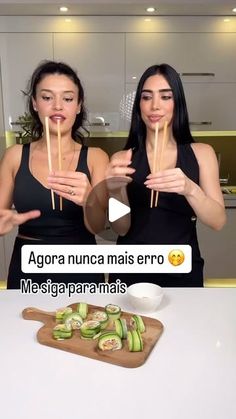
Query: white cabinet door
point(218, 248)
point(9, 240)
point(211, 106)
point(20, 55)
point(99, 60)
point(186, 52)
point(214, 104)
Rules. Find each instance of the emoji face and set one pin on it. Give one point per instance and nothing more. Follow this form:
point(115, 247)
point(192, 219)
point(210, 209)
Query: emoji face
point(176, 257)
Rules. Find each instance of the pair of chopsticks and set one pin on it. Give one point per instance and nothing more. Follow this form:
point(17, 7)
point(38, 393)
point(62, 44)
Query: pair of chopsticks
point(50, 156)
point(157, 158)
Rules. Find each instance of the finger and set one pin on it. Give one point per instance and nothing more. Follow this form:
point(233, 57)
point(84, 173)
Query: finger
point(61, 183)
point(66, 195)
point(22, 218)
point(63, 174)
point(121, 172)
point(159, 177)
point(120, 163)
point(166, 186)
point(129, 154)
point(67, 189)
point(123, 158)
point(176, 189)
point(163, 173)
point(77, 198)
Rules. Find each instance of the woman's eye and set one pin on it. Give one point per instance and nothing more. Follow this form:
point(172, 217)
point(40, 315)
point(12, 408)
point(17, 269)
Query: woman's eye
point(68, 99)
point(146, 97)
point(166, 97)
point(46, 97)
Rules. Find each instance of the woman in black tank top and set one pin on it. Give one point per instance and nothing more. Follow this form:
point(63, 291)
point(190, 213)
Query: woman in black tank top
point(55, 94)
point(186, 177)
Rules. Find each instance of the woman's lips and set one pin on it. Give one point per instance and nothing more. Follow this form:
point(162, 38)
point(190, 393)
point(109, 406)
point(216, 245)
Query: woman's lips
point(57, 117)
point(154, 118)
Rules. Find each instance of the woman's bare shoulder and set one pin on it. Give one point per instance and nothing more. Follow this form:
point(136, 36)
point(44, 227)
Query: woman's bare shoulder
point(11, 159)
point(203, 151)
point(13, 153)
point(202, 148)
point(96, 153)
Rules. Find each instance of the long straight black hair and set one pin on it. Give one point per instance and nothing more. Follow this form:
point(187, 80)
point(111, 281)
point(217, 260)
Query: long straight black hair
point(44, 69)
point(180, 127)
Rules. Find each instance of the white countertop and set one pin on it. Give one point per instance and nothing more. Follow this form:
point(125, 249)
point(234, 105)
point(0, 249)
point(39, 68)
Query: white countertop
point(190, 374)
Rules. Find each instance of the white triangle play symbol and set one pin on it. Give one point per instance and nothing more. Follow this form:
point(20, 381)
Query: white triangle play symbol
point(116, 209)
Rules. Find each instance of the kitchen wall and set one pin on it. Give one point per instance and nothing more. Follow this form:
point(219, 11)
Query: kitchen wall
point(2, 127)
point(110, 54)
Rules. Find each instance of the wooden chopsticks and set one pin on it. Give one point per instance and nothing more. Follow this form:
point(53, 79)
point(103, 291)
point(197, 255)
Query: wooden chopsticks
point(50, 156)
point(154, 164)
point(157, 158)
point(59, 155)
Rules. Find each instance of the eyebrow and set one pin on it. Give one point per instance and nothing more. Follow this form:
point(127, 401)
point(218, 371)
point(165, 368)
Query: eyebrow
point(160, 90)
point(51, 91)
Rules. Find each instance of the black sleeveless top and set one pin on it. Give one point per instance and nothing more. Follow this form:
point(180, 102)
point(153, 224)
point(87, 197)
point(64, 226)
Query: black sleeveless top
point(30, 194)
point(173, 221)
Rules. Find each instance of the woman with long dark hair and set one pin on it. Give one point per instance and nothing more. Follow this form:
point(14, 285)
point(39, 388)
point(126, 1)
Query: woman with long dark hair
point(187, 184)
point(55, 93)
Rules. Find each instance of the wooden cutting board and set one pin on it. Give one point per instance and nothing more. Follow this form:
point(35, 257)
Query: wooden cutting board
point(89, 348)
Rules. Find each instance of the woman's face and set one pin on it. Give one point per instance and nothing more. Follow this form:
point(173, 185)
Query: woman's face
point(57, 97)
point(157, 102)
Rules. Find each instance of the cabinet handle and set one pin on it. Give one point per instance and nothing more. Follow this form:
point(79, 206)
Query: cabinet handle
point(198, 74)
point(99, 124)
point(200, 123)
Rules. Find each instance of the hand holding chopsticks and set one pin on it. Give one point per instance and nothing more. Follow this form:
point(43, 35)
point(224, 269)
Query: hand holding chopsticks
point(168, 180)
point(71, 185)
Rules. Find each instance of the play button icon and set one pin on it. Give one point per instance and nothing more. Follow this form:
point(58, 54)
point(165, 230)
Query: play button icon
point(116, 210)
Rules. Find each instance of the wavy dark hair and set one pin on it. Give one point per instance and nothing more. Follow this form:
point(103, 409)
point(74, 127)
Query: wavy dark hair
point(44, 69)
point(180, 127)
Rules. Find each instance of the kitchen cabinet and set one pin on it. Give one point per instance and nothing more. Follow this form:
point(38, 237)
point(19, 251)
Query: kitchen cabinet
point(206, 63)
point(218, 247)
point(20, 55)
point(209, 105)
point(106, 63)
point(2, 128)
point(99, 61)
point(194, 53)
point(6, 248)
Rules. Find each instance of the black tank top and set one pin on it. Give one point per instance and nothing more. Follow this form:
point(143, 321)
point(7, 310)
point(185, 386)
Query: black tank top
point(30, 194)
point(173, 221)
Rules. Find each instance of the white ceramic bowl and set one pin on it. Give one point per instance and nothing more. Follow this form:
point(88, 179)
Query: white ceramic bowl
point(144, 296)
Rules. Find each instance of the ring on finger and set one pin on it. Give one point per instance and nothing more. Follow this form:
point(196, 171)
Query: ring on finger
point(71, 192)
